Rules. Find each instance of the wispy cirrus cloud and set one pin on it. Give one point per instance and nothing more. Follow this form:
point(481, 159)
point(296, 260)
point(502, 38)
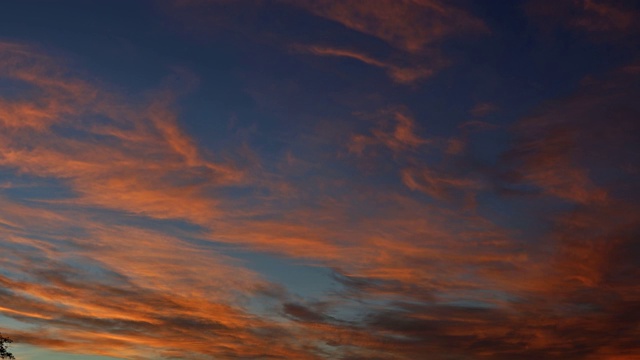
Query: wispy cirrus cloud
point(398, 135)
point(560, 276)
point(413, 27)
point(399, 74)
point(413, 30)
point(555, 149)
point(410, 25)
point(128, 156)
point(416, 28)
point(100, 287)
point(598, 18)
point(417, 271)
point(120, 291)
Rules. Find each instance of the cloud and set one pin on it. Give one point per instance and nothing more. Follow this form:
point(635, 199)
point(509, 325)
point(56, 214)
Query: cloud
point(410, 25)
point(565, 148)
point(303, 313)
point(483, 109)
point(96, 285)
point(400, 75)
point(440, 181)
point(106, 289)
point(126, 155)
point(435, 185)
point(130, 252)
point(595, 17)
point(413, 30)
point(59, 97)
point(397, 135)
point(126, 320)
point(563, 295)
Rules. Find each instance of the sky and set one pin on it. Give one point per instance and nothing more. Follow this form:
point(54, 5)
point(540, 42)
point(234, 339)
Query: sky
point(320, 179)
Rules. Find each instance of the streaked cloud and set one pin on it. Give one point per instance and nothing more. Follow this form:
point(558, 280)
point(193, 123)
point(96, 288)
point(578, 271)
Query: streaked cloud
point(127, 150)
point(414, 29)
point(126, 234)
point(590, 16)
point(396, 130)
point(401, 75)
point(410, 25)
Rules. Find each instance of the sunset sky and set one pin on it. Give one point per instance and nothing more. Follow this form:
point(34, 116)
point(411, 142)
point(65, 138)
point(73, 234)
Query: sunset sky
point(320, 179)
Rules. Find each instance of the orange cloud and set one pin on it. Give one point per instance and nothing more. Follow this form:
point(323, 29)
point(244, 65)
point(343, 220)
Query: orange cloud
point(131, 158)
point(401, 75)
point(556, 149)
point(397, 135)
point(413, 28)
point(409, 25)
point(433, 184)
point(100, 272)
point(127, 290)
point(133, 161)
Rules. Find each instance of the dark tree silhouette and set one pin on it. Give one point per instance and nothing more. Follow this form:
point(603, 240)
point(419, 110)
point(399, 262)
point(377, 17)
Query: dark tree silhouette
point(4, 353)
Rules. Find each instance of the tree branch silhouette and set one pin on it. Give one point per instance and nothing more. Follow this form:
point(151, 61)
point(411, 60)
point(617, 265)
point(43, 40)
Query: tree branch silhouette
point(4, 352)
